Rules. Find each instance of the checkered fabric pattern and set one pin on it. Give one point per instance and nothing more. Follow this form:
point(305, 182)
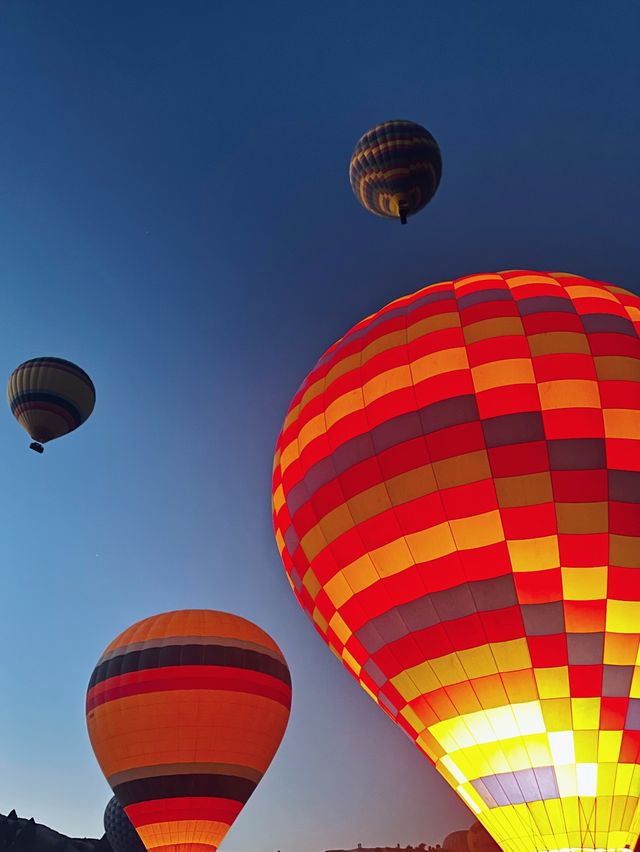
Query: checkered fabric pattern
point(120, 832)
point(456, 498)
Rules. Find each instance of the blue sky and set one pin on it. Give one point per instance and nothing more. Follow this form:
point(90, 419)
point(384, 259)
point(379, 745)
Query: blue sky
point(176, 217)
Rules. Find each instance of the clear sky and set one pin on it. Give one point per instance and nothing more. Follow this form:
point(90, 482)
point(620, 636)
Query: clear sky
point(176, 217)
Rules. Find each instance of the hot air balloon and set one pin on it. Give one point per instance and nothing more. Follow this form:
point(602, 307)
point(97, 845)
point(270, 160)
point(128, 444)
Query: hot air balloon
point(395, 169)
point(50, 397)
point(121, 834)
point(456, 842)
point(185, 711)
point(456, 498)
point(479, 839)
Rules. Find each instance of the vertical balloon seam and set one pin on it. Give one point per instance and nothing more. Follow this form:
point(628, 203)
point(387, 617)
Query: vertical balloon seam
point(636, 817)
point(635, 821)
point(534, 828)
point(585, 832)
point(533, 370)
point(459, 559)
point(464, 579)
point(506, 286)
point(393, 504)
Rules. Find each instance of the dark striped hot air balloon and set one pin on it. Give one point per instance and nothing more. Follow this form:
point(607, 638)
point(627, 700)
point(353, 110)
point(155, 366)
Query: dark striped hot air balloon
point(121, 834)
point(395, 169)
point(456, 499)
point(50, 397)
point(185, 712)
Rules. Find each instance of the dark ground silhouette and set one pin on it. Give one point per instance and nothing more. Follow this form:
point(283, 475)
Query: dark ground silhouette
point(26, 835)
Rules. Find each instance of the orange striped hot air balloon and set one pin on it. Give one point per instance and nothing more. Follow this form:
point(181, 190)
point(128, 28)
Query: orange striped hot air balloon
point(456, 498)
point(185, 712)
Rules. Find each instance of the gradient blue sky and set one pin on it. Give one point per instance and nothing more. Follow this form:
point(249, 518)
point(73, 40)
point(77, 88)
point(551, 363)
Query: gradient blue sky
point(175, 216)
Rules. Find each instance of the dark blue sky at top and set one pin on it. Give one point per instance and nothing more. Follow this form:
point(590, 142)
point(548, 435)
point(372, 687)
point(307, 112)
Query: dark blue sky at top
point(175, 216)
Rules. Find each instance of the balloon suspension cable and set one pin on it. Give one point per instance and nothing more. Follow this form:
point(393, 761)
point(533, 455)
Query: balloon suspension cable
point(37, 447)
point(403, 209)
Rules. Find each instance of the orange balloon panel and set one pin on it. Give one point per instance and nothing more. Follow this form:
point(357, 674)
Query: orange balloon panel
point(185, 712)
point(456, 499)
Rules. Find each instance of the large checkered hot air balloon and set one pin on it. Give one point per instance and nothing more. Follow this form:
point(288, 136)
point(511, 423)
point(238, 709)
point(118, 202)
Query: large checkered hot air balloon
point(456, 498)
point(395, 169)
point(185, 712)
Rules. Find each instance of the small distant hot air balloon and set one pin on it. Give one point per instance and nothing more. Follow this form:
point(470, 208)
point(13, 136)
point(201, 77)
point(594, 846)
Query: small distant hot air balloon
point(456, 499)
point(50, 397)
point(121, 834)
point(456, 842)
point(395, 169)
point(185, 711)
point(479, 839)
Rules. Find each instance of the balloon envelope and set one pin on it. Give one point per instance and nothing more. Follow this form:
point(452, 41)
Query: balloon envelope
point(185, 712)
point(479, 839)
point(50, 397)
point(456, 499)
point(456, 842)
point(395, 169)
point(121, 834)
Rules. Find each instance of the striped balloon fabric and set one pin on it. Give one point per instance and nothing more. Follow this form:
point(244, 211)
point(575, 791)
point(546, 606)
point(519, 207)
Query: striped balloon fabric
point(456, 498)
point(185, 712)
point(50, 397)
point(395, 169)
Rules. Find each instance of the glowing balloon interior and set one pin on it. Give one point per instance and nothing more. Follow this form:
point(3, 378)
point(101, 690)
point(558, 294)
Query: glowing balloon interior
point(456, 498)
point(185, 712)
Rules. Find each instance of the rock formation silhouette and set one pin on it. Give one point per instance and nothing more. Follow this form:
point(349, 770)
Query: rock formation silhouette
point(26, 835)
